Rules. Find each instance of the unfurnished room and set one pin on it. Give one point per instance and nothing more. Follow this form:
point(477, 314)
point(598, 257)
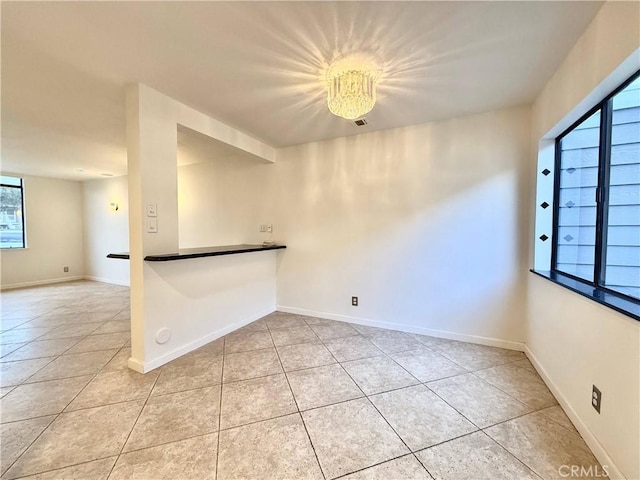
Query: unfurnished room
point(351, 240)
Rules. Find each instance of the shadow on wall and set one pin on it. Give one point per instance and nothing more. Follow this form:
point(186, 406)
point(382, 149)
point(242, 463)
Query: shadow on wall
point(421, 222)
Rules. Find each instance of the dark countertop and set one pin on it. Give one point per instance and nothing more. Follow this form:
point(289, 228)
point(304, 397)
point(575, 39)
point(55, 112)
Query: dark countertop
point(201, 252)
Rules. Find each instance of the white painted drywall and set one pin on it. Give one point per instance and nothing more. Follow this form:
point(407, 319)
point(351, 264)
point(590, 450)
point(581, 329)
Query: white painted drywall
point(105, 230)
point(423, 223)
point(196, 300)
point(224, 201)
point(575, 341)
point(53, 210)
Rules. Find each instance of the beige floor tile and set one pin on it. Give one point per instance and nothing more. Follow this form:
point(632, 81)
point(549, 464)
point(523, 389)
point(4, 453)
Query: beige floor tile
point(57, 319)
point(203, 372)
point(114, 326)
point(192, 459)
point(14, 373)
point(556, 414)
point(284, 320)
point(427, 365)
point(335, 330)
point(318, 320)
point(16, 437)
point(520, 383)
point(114, 387)
point(125, 314)
point(524, 364)
point(429, 341)
point(378, 374)
point(119, 361)
point(42, 349)
point(69, 331)
point(403, 468)
point(474, 357)
point(320, 386)
point(7, 323)
point(210, 351)
point(96, 470)
point(257, 326)
point(543, 445)
point(304, 355)
point(279, 446)
point(21, 335)
point(256, 399)
point(73, 365)
point(77, 437)
point(38, 399)
point(176, 416)
point(367, 330)
point(473, 456)
point(420, 417)
point(105, 341)
point(392, 341)
point(259, 363)
point(352, 348)
point(477, 400)
point(10, 347)
point(5, 390)
point(292, 336)
point(247, 341)
point(351, 436)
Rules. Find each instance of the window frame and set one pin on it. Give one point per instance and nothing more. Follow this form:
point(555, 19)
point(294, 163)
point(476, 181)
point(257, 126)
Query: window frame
point(22, 213)
point(602, 196)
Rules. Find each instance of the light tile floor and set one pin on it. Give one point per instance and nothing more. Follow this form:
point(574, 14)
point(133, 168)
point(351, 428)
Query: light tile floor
point(286, 397)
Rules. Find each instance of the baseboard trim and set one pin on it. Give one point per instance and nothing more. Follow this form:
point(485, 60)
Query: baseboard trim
point(592, 442)
point(492, 342)
point(144, 367)
point(106, 280)
point(12, 286)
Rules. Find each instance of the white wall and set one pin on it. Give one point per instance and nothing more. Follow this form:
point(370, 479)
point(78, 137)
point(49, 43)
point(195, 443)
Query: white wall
point(53, 210)
point(196, 300)
point(423, 223)
point(574, 341)
point(106, 231)
point(224, 201)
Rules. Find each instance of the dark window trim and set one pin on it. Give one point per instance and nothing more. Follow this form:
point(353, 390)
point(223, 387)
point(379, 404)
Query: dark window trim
point(21, 188)
point(595, 289)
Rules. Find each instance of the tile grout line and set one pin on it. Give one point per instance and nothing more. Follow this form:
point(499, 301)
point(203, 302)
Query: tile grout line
point(376, 464)
point(51, 423)
point(295, 400)
point(224, 345)
point(478, 429)
point(124, 444)
point(370, 402)
point(514, 397)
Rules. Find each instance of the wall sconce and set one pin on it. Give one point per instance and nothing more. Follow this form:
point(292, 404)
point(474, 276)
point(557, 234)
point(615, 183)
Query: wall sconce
point(113, 205)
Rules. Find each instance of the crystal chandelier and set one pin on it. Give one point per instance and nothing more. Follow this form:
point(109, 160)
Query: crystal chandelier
point(351, 85)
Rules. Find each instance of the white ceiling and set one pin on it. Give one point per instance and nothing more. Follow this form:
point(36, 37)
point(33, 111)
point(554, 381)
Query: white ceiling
point(258, 67)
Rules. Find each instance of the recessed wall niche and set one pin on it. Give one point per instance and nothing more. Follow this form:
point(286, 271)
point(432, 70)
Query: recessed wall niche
point(224, 193)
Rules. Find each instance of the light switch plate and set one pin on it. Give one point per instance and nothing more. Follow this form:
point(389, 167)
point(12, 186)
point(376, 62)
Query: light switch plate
point(152, 210)
point(152, 225)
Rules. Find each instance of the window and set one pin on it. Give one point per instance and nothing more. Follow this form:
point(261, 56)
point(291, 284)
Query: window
point(11, 213)
point(597, 196)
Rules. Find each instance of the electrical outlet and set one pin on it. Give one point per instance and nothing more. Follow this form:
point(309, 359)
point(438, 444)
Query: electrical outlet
point(354, 301)
point(596, 399)
point(66, 269)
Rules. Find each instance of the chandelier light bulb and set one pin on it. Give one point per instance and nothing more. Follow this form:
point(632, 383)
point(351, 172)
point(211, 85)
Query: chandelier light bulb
point(351, 86)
